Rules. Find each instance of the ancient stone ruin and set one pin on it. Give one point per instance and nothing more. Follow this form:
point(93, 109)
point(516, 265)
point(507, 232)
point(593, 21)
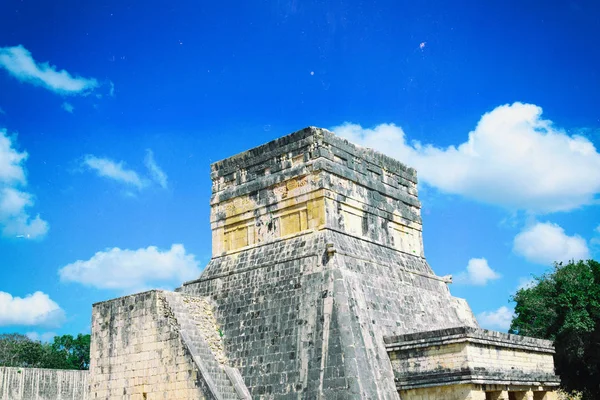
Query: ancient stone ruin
point(318, 288)
point(43, 384)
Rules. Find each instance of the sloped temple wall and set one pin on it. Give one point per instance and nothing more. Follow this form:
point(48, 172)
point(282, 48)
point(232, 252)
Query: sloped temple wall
point(317, 259)
point(137, 352)
point(159, 345)
point(43, 384)
point(317, 256)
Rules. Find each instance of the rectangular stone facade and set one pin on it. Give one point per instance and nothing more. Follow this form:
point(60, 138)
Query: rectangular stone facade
point(317, 257)
point(137, 352)
point(476, 392)
point(43, 384)
point(308, 181)
point(471, 355)
point(450, 392)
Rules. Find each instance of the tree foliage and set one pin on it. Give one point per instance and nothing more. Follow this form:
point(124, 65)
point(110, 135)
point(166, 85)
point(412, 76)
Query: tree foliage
point(65, 352)
point(564, 305)
point(76, 351)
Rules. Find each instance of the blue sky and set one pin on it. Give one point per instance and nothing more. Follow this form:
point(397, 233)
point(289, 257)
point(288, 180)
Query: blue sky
point(110, 115)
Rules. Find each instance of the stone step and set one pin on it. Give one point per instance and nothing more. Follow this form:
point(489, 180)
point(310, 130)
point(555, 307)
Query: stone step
point(194, 338)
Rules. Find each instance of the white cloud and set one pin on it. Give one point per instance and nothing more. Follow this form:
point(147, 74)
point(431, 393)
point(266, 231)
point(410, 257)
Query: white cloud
point(113, 170)
point(513, 158)
point(499, 319)
point(156, 173)
point(545, 243)
point(478, 273)
point(35, 309)
point(41, 337)
point(15, 220)
point(19, 63)
point(117, 171)
point(11, 170)
point(129, 270)
point(68, 107)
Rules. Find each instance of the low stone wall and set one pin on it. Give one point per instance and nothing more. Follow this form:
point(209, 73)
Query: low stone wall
point(470, 355)
point(467, 363)
point(476, 392)
point(43, 384)
point(137, 352)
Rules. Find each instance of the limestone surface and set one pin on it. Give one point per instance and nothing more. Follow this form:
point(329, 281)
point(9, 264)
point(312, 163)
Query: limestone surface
point(43, 384)
point(318, 260)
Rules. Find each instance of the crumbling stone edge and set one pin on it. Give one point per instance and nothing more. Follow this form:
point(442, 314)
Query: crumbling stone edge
point(215, 393)
point(467, 334)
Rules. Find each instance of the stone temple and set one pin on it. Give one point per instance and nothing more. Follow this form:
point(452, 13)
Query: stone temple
point(318, 288)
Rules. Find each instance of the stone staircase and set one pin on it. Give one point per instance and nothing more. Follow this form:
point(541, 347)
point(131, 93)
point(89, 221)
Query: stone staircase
point(199, 331)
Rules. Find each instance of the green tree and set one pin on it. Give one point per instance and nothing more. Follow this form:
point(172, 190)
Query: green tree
point(564, 305)
point(76, 351)
point(65, 352)
point(18, 350)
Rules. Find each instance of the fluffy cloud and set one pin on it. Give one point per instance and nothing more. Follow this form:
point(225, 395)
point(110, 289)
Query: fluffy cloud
point(68, 107)
point(14, 202)
point(36, 309)
point(130, 270)
point(499, 319)
point(544, 243)
point(156, 173)
point(478, 273)
point(513, 158)
point(117, 171)
point(114, 170)
point(11, 170)
point(41, 337)
point(19, 63)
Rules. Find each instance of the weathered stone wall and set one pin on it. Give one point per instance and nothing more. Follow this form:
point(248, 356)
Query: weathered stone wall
point(285, 186)
point(476, 392)
point(317, 255)
point(317, 258)
point(200, 333)
point(43, 384)
point(510, 358)
point(474, 356)
point(461, 356)
point(137, 352)
point(287, 310)
point(271, 314)
point(449, 392)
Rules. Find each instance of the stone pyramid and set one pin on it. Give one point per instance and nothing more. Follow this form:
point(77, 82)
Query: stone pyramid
point(317, 270)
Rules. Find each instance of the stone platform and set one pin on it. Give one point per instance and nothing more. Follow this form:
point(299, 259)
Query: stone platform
point(467, 359)
point(317, 264)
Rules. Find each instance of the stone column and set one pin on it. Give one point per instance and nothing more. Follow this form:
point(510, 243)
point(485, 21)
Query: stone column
point(524, 395)
point(498, 395)
point(476, 394)
point(545, 396)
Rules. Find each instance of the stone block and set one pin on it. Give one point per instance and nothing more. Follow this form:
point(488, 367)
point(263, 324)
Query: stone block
point(318, 268)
